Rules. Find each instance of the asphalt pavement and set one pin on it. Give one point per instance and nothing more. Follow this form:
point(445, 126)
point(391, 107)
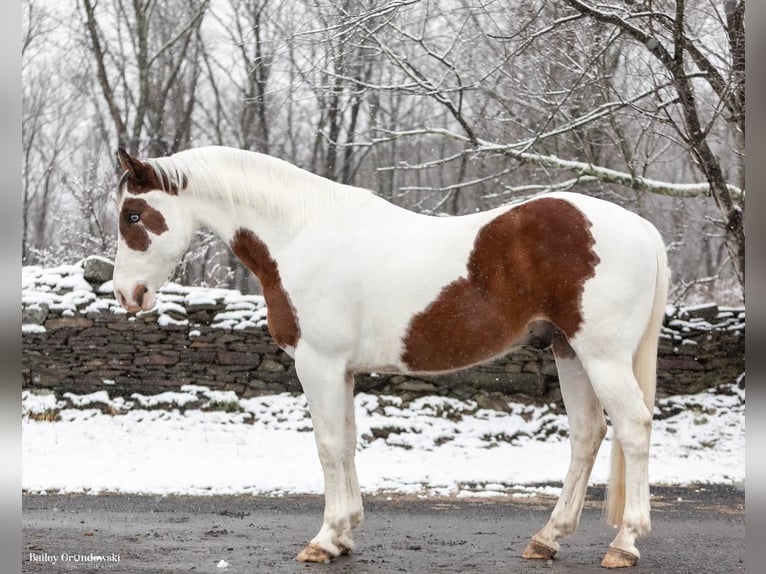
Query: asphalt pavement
point(695, 530)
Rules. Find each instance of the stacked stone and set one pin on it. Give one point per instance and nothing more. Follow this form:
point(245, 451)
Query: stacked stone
point(701, 347)
point(99, 349)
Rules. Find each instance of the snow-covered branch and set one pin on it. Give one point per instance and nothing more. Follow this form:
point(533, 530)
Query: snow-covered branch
point(516, 191)
point(596, 172)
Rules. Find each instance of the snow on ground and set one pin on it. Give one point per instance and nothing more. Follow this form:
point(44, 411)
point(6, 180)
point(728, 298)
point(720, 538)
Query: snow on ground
point(199, 441)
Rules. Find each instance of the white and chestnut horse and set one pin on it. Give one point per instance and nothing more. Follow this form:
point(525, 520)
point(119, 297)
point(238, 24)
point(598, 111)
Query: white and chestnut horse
point(355, 284)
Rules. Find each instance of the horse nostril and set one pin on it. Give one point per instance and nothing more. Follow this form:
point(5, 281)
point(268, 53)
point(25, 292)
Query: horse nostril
point(138, 294)
point(121, 299)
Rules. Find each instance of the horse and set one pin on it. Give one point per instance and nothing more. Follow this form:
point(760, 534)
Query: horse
point(354, 283)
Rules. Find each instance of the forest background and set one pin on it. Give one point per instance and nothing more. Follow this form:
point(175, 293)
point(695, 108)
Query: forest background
point(441, 106)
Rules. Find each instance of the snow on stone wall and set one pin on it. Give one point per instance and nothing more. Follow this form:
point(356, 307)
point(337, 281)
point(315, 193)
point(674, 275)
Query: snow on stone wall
point(77, 339)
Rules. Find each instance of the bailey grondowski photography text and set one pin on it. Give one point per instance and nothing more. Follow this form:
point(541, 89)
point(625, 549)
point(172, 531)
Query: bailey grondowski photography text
point(74, 558)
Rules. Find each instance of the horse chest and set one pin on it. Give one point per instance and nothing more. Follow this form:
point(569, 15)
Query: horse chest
point(282, 318)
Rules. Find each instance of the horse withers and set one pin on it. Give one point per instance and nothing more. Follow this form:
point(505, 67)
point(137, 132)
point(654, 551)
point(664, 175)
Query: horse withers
point(355, 284)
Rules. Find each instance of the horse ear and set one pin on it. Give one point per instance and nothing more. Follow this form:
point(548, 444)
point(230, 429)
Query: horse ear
point(137, 170)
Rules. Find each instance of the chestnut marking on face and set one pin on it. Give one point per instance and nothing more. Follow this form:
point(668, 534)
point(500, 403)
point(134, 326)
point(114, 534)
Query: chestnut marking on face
point(134, 230)
point(282, 318)
point(152, 183)
point(141, 177)
point(530, 263)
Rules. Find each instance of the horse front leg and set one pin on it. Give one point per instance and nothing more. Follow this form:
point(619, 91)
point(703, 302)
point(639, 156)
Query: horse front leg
point(349, 461)
point(325, 384)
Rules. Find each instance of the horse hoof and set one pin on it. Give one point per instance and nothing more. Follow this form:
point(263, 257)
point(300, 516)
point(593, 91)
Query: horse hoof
point(314, 553)
point(616, 558)
point(538, 551)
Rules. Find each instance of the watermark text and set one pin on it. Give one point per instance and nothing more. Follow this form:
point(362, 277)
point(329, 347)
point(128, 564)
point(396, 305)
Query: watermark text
point(73, 560)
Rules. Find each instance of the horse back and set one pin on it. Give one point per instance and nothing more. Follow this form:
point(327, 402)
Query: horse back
point(425, 294)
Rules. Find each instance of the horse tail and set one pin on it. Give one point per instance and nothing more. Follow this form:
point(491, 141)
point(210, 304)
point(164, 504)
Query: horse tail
point(645, 372)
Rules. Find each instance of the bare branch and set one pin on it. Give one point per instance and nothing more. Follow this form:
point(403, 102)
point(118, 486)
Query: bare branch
point(183, 32)
point(103, 80)
point(602, 174)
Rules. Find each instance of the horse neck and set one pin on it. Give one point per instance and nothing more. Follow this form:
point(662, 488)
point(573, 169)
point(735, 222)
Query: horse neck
point(271, 198)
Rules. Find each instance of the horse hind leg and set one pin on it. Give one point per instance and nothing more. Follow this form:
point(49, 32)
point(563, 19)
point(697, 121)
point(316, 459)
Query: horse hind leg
point(587, 428)
point(618, 391)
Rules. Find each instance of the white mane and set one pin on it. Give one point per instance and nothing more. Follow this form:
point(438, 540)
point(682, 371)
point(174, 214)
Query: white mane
point(273, 186)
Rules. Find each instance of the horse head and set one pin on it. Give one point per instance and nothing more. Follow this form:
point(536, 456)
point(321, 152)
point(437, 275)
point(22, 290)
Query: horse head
point(154, 230)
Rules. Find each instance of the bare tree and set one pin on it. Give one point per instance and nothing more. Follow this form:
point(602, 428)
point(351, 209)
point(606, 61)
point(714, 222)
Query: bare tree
point(670, 37)
point(578, 78)
point(441, 106)
point(50, 116)
point(145, 60)
point(239, 108)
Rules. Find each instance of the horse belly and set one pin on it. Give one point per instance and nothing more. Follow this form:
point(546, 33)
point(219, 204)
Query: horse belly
point(463, 327)
point(361, 305)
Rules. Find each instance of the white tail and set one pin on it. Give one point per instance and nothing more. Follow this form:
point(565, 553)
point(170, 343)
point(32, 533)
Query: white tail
point(645, 371)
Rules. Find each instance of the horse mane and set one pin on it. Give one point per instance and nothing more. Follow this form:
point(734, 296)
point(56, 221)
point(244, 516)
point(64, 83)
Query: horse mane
point(250, 179)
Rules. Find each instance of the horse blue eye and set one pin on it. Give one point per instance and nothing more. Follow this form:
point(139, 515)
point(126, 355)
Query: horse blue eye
point(134, 217)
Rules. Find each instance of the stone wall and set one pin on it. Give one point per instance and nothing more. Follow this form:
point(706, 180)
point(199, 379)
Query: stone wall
point(84, 343)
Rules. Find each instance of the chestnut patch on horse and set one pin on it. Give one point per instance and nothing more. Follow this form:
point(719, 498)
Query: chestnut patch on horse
point(135, 234)
point(151, 181)
point(140, 177)
point(282, 320)
point(528, 264)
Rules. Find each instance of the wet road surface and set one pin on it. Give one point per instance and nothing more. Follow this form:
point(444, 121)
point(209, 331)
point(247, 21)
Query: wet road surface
point(695, 530)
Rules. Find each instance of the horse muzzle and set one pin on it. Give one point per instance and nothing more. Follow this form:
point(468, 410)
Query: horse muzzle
point(140, 298)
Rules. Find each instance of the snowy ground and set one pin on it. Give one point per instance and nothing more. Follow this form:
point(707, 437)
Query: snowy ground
point(199, 441)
